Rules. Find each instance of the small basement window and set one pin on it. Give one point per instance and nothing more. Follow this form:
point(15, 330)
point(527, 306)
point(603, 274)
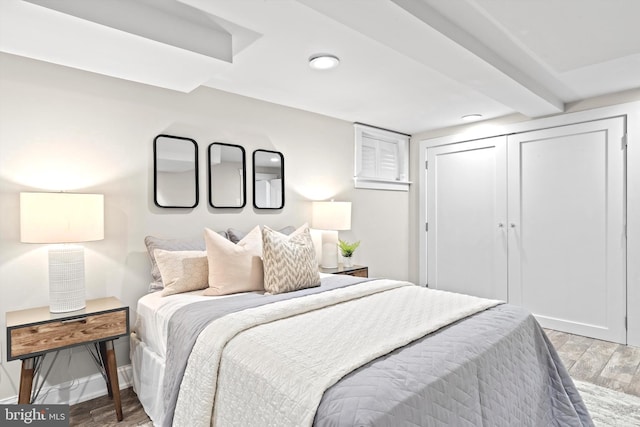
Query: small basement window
point(381, 159)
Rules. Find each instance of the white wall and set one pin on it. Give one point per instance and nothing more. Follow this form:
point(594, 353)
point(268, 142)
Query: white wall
point(64, 129)
point(625, 103)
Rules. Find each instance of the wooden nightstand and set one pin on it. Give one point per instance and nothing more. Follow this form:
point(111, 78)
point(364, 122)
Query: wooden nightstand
point(356, 270)
point(33, 333)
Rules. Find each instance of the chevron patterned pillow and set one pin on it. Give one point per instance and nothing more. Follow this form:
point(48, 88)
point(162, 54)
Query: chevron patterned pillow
point(289, 262)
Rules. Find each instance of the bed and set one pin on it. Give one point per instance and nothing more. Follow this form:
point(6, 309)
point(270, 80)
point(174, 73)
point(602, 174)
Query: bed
point(350, 352)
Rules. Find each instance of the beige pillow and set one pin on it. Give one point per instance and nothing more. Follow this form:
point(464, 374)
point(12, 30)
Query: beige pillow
point(182, 271)
point(290, 262)
point(234, 267)
point(154, 243)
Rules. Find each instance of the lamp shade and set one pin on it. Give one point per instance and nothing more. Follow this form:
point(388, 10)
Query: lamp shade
point(331, 215)
point(61, 217)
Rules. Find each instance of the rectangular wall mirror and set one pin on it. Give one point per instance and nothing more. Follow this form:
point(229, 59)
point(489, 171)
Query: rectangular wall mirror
point(227, 176)
point(268, 179)
point(175, 172)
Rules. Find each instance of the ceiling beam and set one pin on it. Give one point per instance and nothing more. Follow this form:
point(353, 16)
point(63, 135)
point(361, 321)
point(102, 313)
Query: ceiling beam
point(165, 21)
point(530, 97)
point(48, 35)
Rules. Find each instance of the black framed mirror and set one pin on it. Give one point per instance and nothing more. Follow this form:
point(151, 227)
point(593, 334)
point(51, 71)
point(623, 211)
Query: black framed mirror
point(268, 179)
point(227, 175)
point(175, 172)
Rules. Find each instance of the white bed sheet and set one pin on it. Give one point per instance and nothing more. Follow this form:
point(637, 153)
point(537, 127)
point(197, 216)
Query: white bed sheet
point(154, 312)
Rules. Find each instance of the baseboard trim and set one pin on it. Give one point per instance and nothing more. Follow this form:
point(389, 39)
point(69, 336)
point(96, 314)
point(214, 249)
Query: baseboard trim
point(78, 390)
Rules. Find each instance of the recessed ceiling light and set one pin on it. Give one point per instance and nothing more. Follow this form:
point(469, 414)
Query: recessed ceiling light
point(471, 117)
point(323, 61)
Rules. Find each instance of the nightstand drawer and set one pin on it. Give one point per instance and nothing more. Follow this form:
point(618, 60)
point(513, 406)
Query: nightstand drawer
point(55, 334)
point(361, 272)
point(354, 270)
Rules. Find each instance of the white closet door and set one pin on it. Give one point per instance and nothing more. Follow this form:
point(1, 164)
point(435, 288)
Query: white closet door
point(263, 193)
point(566, 227)
point(466, 213)
point(275, 193)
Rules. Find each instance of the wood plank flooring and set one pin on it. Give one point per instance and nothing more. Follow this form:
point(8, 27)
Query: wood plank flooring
point(603, 363)
point(100, 412)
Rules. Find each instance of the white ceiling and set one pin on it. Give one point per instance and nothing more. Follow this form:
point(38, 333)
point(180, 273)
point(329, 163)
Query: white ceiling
point(406, 65)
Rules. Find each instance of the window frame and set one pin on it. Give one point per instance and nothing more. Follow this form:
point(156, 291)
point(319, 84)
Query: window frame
point(400, 140)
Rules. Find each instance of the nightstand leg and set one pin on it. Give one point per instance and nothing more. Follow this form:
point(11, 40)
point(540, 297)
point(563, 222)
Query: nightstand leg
point(109, 355)
point(103, 355)
point(26, 381)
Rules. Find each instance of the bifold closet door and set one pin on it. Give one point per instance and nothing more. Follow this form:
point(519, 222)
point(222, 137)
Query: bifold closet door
point(567, 244)
point(466, 216)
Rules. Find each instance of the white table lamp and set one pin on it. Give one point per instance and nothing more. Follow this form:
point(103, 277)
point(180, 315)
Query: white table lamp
point(63, 218)
point(330, 217)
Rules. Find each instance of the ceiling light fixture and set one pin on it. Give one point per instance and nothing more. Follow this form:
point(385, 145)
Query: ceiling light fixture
point(471, 117)
point(323, 61)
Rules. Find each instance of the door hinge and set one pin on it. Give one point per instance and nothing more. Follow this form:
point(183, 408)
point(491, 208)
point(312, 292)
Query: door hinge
point(624, 141)
point(426, 226)
point(426, 164)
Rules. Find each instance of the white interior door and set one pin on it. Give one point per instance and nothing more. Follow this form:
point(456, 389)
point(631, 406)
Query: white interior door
point(566, 227)
point(466, 215)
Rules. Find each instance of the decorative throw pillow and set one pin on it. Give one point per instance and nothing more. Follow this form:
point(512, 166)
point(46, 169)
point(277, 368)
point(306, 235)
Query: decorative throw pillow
point(182, 271)
point(153, 243)
point(236, 235)
point(289, 261)
point(234, 267)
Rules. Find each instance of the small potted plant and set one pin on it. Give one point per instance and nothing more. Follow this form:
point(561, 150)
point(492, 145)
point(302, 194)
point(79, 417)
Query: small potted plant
point(347, 249)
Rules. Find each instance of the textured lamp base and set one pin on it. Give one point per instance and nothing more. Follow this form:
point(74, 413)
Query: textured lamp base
point(329, 249)
point(66, 278)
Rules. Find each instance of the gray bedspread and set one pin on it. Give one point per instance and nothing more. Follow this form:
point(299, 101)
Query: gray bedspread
point(187, 322)
point(495, 368)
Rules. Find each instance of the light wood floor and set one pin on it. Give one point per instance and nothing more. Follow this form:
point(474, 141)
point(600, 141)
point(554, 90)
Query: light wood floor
point(602, 363)
point(599, 362)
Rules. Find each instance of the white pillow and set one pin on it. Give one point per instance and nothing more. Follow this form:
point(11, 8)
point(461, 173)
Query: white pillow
point(234, 267)
point(182, 271)
point(290, 262)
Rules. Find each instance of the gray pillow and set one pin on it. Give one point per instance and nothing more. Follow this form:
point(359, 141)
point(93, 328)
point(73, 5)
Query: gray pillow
point(236, 235)
point(153, 243)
